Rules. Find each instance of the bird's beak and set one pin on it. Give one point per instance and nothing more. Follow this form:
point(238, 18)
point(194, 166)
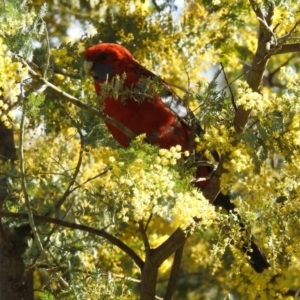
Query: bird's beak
point(88, 65)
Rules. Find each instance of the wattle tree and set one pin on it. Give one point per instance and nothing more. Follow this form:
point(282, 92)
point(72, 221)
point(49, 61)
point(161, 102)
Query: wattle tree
point(152, 187)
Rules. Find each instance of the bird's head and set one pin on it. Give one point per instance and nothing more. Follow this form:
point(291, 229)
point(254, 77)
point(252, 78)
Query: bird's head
point(102, 60)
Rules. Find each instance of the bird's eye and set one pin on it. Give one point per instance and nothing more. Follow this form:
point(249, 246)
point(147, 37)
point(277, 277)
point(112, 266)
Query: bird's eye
point(102, 56)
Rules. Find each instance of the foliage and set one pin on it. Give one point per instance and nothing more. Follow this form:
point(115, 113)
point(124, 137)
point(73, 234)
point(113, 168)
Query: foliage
point(75, 172)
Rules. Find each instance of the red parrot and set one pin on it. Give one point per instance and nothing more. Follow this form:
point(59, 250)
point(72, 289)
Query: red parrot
point(162, 115)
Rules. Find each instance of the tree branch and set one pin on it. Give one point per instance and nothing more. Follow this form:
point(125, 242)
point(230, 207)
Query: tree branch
point(166, 249)
point(174, 273)
point(149, 278)
point(144, 236)
point(99, 232)
point(288, 48)
point(259, 64)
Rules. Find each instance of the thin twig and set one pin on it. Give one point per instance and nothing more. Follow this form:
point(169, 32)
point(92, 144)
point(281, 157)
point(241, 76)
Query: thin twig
point(91, 178)
point(148, 222)
point(229, 87)
point(24, 185)
point(284, 38)
point(27, 201)
point(144, 236)
point(48, 55)
point(124, 277)
point(277, 69)
point(256, 9)
point(69, 189)
point(25, 193)
point(157, 7)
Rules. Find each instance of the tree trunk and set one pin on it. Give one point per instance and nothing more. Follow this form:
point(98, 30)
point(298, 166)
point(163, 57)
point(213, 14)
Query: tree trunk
point(15, 283)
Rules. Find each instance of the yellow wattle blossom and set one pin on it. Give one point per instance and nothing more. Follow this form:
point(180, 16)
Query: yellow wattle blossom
point(60, 56)
point(191, 205)
point(217, 139)
point(151, 185)
point(12, 25)
point(11, 74)
point(169, 156)
point(240, 160)
point(246, 97)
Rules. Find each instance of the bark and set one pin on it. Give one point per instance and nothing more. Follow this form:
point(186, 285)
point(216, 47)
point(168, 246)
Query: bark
point(154, 259)
point(174, 273)
point(15, 282)
point(149, 278)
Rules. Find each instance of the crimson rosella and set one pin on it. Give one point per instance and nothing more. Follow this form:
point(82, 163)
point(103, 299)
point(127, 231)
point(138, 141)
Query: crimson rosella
point(161, 115)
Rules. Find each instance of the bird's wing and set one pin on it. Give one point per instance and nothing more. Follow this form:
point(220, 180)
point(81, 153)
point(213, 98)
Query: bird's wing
point(172, 100)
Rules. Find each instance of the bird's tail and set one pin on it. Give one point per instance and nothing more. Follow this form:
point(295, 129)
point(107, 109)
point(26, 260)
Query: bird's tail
point(257, 259)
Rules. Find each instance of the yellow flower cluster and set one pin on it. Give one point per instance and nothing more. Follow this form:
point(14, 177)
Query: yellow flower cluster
point(293, 135)
point(64, 60)
point(290, 103)
point(290, 77)
point(240, 160)
point(12, 25)
point(219, 139)
point(286, 16)
point(150, 184)
point(61, 57)
point(143, 192)
point(11, 74)
point(246, 97)
point(169, 157)
point(259, 104)
point(192, 204)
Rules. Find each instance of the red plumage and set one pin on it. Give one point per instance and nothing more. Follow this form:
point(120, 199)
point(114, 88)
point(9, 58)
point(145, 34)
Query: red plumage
point(151, 116)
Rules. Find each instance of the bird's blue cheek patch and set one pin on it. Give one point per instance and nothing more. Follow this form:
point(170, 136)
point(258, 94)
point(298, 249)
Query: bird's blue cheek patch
point(102, 72)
